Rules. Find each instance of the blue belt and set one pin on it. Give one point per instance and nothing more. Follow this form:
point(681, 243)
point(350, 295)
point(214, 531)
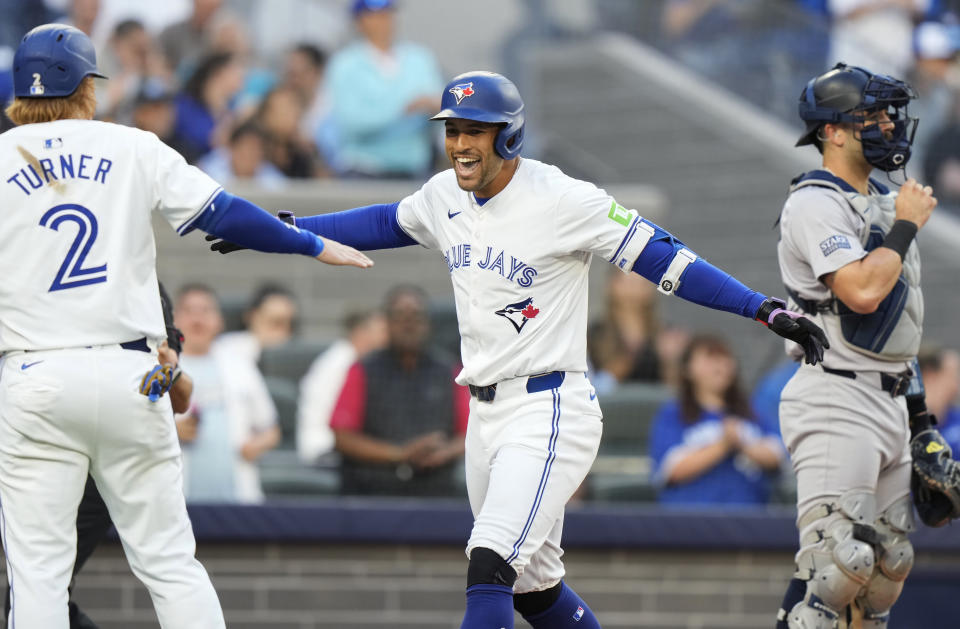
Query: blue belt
point(140, 345)
point(535, 384)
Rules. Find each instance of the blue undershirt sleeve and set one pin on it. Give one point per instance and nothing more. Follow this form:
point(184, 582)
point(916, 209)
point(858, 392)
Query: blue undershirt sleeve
point(240, 221)
point(701, 282)
point(364, 228)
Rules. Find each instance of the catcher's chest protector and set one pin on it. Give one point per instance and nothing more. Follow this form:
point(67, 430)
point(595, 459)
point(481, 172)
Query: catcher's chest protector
point(893, 331)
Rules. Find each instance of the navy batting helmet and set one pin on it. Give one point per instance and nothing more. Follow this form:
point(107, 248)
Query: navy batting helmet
point(487, 97)
point(51, 61)
point(845, 94)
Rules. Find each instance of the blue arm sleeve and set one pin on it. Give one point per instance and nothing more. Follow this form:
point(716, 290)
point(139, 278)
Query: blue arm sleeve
point(701, 282)
point(237, 220)
point(363, 228)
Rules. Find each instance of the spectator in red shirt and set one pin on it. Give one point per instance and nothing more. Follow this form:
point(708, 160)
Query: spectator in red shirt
point(400, 420)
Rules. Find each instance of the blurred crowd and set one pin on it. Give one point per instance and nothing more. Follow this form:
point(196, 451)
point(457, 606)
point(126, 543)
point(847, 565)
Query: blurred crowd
point(378, 407)
point(378, 410)
point(356, 105)
point(780, 44)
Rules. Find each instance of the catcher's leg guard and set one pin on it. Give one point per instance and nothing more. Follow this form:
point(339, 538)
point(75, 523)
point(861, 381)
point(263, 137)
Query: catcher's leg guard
point(836, 558)
point(894, 561)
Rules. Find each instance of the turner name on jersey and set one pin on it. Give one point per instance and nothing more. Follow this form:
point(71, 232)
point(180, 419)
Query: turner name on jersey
point(80, 196)
point(35, 173)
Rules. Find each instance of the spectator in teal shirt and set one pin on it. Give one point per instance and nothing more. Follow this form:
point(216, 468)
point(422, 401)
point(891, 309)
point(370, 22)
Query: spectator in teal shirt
point(381, 95)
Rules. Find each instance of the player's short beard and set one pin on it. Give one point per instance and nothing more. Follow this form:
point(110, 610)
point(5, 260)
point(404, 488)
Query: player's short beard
point(490, 166)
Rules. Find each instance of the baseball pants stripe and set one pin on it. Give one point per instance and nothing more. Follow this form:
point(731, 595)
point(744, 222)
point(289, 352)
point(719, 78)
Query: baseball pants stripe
point(544, 478)
point(527, 453)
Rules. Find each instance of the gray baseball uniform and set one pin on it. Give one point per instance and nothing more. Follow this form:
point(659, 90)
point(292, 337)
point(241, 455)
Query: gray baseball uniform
point(845, 422)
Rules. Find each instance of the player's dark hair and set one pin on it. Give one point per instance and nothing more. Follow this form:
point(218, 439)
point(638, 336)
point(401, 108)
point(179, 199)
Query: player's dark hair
point(314, 54)
point(206, 68)
point(734, 400)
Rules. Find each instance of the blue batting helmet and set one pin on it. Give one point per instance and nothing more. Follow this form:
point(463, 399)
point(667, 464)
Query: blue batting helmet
point(51, 61)
point(487, 97)
point(845, 94)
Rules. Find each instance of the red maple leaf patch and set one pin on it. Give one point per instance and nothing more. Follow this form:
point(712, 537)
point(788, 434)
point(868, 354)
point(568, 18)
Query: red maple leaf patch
point(468, 91)
point(530, 312)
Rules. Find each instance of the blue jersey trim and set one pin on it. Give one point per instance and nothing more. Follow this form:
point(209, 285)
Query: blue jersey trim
point(188, 225)
point(626, 240)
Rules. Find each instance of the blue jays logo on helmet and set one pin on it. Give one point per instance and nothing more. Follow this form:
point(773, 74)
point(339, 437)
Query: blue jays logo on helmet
point(461, 91)
point(51, 61)
point(487, 97)
point(519, 313)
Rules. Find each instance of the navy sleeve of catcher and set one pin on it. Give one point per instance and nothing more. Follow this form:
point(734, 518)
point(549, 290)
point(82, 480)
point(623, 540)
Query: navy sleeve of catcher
point(237, 220)
point(701, 282)
point(364, 228)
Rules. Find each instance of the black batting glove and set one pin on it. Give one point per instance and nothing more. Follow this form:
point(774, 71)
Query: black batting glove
point(225, 246)
point(792, 325)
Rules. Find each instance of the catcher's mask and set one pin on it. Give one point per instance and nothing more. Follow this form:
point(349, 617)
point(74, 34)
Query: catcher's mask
point(848, 94)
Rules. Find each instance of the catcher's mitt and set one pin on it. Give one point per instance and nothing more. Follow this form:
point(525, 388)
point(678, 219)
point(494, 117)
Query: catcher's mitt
point(935, 480)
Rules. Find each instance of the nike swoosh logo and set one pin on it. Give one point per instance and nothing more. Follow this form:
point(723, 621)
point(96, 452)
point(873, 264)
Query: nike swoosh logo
point(451, 213)
point(26, 366)
point(593, 395)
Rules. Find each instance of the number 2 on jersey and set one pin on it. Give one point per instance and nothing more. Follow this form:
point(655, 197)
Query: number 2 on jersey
point(72, 273)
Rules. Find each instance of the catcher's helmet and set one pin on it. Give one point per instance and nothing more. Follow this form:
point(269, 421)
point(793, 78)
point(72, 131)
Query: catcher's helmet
point(845, 94)
point(487, 97)
point(51, 61)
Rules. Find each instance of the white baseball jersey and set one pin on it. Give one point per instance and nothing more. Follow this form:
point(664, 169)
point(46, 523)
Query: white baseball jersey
point(77, 198)
point(519, 265)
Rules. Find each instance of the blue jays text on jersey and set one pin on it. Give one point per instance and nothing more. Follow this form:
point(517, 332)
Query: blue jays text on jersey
point(64, 166)
point(458, 256)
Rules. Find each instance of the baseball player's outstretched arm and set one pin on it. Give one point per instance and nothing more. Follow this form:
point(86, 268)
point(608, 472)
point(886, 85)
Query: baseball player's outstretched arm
point(365, 228)
point(666, 260)
point(237, 220)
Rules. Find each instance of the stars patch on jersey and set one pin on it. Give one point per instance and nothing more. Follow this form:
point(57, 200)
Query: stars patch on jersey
point(519, 313)
point(831, 244)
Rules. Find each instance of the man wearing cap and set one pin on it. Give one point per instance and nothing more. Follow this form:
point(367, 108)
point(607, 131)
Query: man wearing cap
point(381, 92)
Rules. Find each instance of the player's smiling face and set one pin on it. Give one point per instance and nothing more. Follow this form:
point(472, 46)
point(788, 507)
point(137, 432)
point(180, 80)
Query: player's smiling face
point(469, 146)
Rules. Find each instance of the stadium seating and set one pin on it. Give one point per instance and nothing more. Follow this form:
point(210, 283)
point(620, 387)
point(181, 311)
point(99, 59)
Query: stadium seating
point(622, 469)
point(282, 474)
